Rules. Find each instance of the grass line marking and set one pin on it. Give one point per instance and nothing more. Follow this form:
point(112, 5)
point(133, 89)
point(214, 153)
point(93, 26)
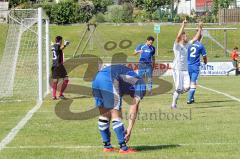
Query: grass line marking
point(225, 94)
point(11, 135)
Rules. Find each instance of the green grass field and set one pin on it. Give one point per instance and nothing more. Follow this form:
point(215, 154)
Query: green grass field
point(207, 129)
point(137, 34)
point(210, 128)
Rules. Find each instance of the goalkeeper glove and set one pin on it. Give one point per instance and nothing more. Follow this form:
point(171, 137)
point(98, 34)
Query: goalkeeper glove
point(66, 43)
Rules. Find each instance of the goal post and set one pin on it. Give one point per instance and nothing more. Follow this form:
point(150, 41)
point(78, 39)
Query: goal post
point(24, 64)
point(218, 38)
point(40, 51)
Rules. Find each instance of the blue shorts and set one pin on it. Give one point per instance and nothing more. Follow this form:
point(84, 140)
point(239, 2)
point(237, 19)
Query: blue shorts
point(193, 73)
point(145, 69)
point(108, 93)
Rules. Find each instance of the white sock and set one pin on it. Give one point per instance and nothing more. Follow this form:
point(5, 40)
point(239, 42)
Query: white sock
point(175, 98)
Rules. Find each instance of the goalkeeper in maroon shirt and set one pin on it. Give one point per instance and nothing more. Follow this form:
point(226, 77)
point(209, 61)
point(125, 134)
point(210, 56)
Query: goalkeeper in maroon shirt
point(58, 69)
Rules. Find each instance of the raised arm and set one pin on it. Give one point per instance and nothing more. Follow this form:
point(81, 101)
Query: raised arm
point(181, 31)
point(198, 34)
point(66, 43)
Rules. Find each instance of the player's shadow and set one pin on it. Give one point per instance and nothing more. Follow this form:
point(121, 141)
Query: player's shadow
point(155, 147)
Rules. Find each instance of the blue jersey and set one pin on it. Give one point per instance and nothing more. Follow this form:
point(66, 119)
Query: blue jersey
point(147, 53)
point(195, 51)
point(112, 82)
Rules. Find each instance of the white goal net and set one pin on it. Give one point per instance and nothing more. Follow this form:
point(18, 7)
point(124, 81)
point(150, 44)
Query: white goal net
point(24, 63)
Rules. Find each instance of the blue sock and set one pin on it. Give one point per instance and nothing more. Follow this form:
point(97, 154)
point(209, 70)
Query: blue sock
point(191, 94)
point(119, 130)
point(149, 84)
point(103, 125)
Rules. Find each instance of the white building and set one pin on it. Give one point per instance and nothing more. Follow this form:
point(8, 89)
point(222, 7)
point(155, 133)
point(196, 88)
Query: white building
point(185, 6)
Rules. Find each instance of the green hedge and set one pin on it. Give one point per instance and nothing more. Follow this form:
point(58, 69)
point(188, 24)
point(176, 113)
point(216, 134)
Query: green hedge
point(67, 12)
point(120, 13)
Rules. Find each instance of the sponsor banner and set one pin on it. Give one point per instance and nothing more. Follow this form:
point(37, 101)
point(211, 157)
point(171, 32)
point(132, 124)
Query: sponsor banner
point(165, 68)
point(216, 68)
point(160, 69)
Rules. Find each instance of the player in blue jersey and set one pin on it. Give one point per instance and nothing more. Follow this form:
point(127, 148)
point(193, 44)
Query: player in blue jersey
point(146, 60)
point(195, 51)
point(109, 86)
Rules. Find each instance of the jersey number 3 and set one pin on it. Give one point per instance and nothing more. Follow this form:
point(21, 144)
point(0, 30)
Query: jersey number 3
point(54, 55)
point(193, 52)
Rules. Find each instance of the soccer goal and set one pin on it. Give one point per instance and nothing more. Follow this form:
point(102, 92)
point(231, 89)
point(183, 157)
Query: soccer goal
point(216, 40)
point(25, 60)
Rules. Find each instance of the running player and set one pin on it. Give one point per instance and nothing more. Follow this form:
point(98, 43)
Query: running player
point(146, 61)
point(109, 85)
point(58, 69)
point(194, 52)
point(180, 66)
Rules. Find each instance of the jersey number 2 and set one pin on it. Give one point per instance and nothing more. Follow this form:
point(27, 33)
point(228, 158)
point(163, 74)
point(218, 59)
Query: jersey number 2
point(193, 52)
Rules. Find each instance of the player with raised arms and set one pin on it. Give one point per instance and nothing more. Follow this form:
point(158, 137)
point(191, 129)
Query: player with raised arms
point(109, 86)
point(180, 65)
point(58, 69)
point(195, 51)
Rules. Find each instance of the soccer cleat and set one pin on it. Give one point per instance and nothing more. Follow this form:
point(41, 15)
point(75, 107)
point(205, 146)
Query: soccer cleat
point(128, 151)
point(174, 107)
point(54, 98)
point(62, 97)
point(190, 102)
point(112, 149)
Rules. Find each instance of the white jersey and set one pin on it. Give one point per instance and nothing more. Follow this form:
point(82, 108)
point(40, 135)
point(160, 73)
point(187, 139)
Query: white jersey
point(181, 55)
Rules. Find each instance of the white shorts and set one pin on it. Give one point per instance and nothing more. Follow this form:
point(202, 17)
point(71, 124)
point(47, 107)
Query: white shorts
point(181, 80)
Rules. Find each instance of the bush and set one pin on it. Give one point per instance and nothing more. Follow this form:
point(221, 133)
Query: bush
point(120, 13)
point(114, 13)
point(138, 16)
point(14, 3)
point(63, 13)
point(177, 19)
point(100, 18)
point(127, 13)
point(101, 5)
point(68, 12)
point(156, 15)
point(84, 12)
point(208, 19)
point(161, 15)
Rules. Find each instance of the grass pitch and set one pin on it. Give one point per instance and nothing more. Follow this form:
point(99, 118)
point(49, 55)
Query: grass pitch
point(207, 129)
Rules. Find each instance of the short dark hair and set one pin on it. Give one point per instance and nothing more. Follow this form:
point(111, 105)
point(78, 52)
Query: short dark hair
point(58, 39)
point(150, 38)
point(235, 48)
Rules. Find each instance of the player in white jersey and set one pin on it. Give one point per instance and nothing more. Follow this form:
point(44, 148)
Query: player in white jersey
point(180, 65)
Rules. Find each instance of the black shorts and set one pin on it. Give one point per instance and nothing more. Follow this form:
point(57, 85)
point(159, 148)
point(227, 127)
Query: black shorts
point(59, 72)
